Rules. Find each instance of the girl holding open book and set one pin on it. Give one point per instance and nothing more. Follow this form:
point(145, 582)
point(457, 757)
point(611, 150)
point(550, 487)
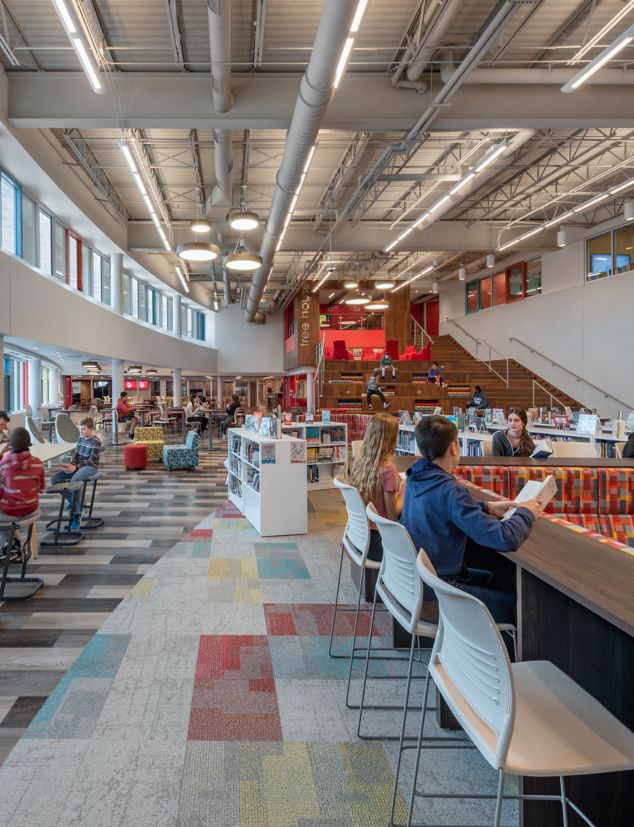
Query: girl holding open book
point(515, 441)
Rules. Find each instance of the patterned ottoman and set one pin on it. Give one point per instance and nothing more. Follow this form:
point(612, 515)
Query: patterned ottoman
point(134, 457)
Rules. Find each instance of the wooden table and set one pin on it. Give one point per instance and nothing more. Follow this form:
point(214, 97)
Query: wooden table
point(576, 609)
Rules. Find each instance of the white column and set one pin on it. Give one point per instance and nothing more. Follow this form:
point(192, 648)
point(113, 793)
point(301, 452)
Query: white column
point(117, 380)
point(53, 385)
point(219, 389)
point(116, 286)
point(35, 385)
point(177, 317)
point(188, 388)
point(2, 399)
point(310, 394)
point(178, 384)
point(163, 387)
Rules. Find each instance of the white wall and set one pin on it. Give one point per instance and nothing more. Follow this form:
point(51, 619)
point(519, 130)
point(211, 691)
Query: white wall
point(587, 327)
point(248, 348)
point(33, 306)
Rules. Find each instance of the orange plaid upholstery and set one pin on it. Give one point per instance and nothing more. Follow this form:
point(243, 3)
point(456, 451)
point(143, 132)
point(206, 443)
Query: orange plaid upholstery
point(616, 491)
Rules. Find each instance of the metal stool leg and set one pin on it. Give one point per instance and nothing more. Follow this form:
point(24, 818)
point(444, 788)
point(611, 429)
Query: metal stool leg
point(91, 522)
point(334, 613)
point(25, 553)
point(69, 538)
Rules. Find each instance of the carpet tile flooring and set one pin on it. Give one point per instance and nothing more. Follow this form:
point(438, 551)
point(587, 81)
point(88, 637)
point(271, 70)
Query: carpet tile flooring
point(202, 692)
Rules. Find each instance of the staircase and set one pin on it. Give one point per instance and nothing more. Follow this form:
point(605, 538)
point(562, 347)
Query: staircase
point(344, 383)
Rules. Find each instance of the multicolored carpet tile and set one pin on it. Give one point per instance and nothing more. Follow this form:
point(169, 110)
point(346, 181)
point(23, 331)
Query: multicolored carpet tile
point(208, 697)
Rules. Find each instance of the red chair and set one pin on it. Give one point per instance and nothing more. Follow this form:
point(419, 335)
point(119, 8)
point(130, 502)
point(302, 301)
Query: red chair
point(135, 457)
point(368, 354)
point(409, 353)
point(392, 349)
point(328, 354)
point(340, 351)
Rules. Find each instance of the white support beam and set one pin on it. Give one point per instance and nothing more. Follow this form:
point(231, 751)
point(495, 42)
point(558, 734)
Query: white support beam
point(364, 102)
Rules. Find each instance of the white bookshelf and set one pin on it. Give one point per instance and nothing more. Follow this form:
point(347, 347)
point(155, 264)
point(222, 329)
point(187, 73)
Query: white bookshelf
point(267, 481)
point(326, 457)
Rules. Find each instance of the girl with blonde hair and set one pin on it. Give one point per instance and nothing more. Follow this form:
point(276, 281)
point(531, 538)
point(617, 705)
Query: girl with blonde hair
point(375, 476)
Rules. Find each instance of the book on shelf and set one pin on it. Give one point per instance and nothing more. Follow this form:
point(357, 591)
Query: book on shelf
point(405, 418)
point(325, 417)
point(267, 427)
point(543, 449)
point(267, 455)
point(542, 490)
point(252, 423)
point(287, 418)
point(252, 453)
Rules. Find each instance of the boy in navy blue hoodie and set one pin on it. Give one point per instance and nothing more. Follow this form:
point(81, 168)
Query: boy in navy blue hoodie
point(442, 517)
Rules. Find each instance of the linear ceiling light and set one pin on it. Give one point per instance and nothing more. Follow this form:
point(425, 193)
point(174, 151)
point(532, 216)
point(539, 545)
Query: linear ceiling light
point(601, 34)
point(423, 272)
point(126, 149)
point(302, 178)
point(89, 61)
point(494, 152)
point(181, 276)
point(587, 205)
point(347, 48)
point(600, 60)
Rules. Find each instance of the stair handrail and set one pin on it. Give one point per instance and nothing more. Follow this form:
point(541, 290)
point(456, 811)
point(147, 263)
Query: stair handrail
point(546, 391)
point(318, 377)
point(491, 350)
point(418, 327)
point(625, 405)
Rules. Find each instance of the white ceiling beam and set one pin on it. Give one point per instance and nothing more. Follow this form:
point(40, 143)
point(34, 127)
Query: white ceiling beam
point(366, 102)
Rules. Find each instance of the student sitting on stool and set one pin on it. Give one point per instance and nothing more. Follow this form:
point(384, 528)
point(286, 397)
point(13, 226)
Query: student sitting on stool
point(373, 389)
point(83, 465)
point(21, 480)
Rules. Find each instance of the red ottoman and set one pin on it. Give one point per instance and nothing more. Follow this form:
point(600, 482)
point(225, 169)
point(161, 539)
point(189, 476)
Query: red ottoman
point(135, 457)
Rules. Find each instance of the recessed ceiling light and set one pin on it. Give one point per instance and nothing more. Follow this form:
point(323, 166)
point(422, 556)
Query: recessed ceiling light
point(244, 220)
point(198, 251)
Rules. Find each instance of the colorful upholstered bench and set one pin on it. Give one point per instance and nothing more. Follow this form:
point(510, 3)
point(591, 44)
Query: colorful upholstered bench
point(182, 456)
point(152, 437)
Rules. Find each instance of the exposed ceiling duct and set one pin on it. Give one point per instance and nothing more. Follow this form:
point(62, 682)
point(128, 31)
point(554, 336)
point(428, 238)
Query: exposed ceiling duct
point(432, 39)
point(226, 283)
point(316, 89)
point(537, 77)
point(219, 13)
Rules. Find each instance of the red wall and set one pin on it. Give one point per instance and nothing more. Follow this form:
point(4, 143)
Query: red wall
point(432, 317)
point(356, 338)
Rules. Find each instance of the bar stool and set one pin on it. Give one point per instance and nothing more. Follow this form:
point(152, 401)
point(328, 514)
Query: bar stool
point(59, 537)
point(91, 522)
point(9, 526)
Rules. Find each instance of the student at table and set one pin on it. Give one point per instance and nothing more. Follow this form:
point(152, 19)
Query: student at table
point(514, 441)
point(375, 476)
point(194, 413)
point(126, 414)
point(628, 448)
point(5, 419)
point(442, 517)
point(21, 479)
point(83, 465)
point(231, 412)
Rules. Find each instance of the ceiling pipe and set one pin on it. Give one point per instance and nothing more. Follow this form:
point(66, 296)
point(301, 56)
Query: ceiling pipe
point(219, 14)
point(537, 77)
point(315, 91)
point(226, 283)
point(433, 38)
point(426, 12)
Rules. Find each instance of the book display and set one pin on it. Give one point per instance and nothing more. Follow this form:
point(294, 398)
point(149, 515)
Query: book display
point(267, 481)
point(326, 451)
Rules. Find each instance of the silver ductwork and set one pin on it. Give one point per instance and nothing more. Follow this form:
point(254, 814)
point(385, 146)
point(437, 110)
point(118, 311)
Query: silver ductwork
point(219, 13)
point(226, 283)
point(538, 77)
point(432, 40)
point(315, 92)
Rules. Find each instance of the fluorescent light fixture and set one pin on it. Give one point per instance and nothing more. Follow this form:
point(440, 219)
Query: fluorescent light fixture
point(491, 155)
point(384, 285)
point(165, 240)
point(181, 276)
point(317, 286)
point(358, 16)
point(244, 220)
point(148, 203)
point(88, 64)
point(620, 187)
point(600, 60)
point(64, 14)
point(424, 272)
point(139, 182)
point(216, 305)
point(309, 160)
point(463, 181)
point(201, 225)
point(398, 239)
point(124, 146)
point(243, 262)
point(519, 238)
point(559, 219)
point(345, 54)
point(628, 210)
point(197, 251)
point(435, 287)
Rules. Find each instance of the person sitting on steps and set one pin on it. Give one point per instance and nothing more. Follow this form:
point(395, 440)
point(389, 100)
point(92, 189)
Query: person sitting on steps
point(373, 389)
point(386, 364)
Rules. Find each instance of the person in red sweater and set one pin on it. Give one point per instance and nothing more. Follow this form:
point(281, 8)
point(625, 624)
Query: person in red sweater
point(126, 414)
point(21, 480)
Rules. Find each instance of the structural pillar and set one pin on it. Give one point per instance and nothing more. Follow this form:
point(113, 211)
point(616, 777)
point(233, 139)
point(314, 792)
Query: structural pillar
point(117, 380)
point(310, 392)
point(116, 287)
point(219, 390)
point(53, 385)
point(35, 385)
point(177, 385)
point(2, 399)
point(177, 316)
point(163, 388)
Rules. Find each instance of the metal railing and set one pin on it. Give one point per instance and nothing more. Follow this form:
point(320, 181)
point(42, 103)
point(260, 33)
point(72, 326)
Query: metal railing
point(551, 396)
point(318, 377)
point(418, 336)
point(625, 405)
point(489, 350)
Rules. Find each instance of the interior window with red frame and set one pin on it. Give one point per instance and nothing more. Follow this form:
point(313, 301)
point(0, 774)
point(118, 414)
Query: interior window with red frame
point(74, 275)
point(516, 281)
point(499, 288)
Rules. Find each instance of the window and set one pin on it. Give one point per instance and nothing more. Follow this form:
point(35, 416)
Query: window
point(168, 316)
point(86, 269)
point(624, 249)
point(499, 288)
point(9, 202)
point(190, 323)
point(142, 314)
point(135, 298)
point(74, 261)
point(105, 281)
point(472, 294)
point(15, 383)
point(164, 323)
point(127, 294)
point(599, 257)
point(533, 277)
point(485, 292)
point(59, 251)
point(29, 247)
point(515, 282)
point(96, 276)
point(46, 241)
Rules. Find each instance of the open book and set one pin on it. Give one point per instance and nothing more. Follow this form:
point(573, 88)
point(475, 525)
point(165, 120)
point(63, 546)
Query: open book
point(542, 490)
point(543, 449)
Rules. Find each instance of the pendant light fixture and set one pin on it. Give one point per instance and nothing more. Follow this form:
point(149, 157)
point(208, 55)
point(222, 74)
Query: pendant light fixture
point(244, 220)
point(198, 251)
point(378, 304)
point(201, 225)
point(358, 300)
point(384, 285)
point(242, 262)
